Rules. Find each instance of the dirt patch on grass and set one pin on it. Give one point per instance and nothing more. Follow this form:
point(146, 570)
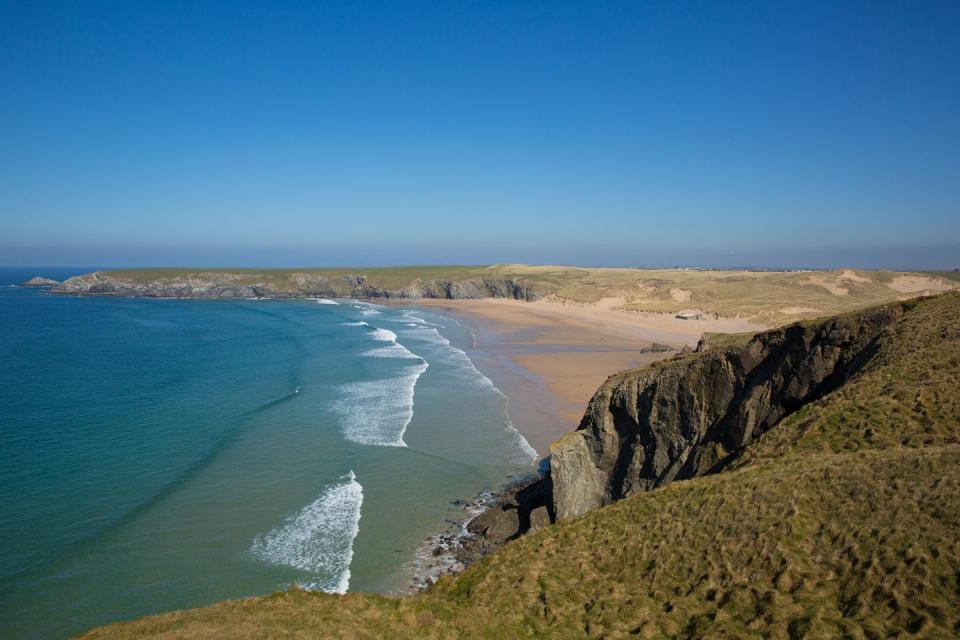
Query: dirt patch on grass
point(918, 284)
point(829, 283)
point(853, 276)
point(793, 311)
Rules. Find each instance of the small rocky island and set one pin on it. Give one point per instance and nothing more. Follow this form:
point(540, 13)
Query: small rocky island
point(39, 281)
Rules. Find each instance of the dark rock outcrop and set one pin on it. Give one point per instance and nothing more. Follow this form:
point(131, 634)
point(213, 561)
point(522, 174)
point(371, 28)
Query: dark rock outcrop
point(692, 415)
point(38, 281)
point(523, 508)
point(219, 284)
point(492, 520)
point(467, 289)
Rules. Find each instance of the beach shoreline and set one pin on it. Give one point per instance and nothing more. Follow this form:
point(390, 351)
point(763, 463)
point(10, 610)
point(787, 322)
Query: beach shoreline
point(549, 357)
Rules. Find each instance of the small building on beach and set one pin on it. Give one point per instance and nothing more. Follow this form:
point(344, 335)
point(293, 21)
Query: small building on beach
point(690, 315)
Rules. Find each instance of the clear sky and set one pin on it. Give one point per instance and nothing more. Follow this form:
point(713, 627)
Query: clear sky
point(327, 133)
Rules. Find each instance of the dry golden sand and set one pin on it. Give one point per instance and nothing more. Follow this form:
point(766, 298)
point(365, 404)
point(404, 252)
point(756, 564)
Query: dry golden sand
point(570, 348)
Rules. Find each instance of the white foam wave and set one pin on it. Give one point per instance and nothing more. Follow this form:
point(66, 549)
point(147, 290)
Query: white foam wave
point(324, 301)
point(417, 320)
point(459, 356)
point(370, 312)
point(355, 324)
point(377, 412)
point(319, 538)
point(384, 335)
point(393, 350)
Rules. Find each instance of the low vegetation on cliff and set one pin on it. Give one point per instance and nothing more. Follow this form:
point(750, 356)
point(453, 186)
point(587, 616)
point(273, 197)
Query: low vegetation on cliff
point(840, 519)
point(771, 297)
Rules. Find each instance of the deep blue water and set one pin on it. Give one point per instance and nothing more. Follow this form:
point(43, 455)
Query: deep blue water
point(160, 454)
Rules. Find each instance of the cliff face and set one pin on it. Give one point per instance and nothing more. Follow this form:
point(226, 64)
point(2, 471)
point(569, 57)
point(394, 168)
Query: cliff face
point(692, 416)
point(289, 285)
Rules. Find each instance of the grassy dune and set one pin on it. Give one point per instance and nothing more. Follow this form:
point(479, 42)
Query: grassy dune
point(842, 521)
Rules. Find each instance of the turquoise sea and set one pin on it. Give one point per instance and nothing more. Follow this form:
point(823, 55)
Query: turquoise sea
point(163, 454)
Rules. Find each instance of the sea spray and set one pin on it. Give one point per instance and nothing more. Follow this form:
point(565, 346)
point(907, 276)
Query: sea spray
point(319, 538)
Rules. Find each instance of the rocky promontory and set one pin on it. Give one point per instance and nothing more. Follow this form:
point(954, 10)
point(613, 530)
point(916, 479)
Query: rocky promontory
point(821, 499)
point(38, 281)
point(286, 284)
point(691, 416)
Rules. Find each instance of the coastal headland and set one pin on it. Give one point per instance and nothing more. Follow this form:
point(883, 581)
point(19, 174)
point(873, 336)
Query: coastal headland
point(550, 335)
point(796, 482)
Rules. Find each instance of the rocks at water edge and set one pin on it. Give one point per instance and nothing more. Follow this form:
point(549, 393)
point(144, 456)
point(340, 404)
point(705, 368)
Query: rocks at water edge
point(492, 520)
point(38, 281)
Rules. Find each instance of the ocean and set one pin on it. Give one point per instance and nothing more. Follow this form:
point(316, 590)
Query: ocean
point(164, 454)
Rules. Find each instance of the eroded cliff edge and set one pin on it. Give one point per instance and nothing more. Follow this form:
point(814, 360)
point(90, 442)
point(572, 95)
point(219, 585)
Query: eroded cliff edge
point(691, 416)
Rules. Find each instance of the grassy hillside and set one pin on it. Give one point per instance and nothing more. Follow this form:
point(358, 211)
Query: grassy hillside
point(842, 521)
point(949, 275)
point(771, 297)
point(385, 277)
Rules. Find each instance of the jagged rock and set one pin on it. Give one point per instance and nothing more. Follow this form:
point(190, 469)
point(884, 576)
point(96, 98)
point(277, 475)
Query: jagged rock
point(522, 508)
point(499, 523)
point(643, 429)
point(38, 281)
point(539, 519)
point(657, 347)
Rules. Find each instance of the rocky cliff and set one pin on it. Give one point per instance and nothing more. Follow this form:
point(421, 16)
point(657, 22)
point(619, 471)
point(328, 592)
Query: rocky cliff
point(692, 415)
point(221, 284)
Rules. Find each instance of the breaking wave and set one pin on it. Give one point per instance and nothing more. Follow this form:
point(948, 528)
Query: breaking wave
point(319, 538)
point(378, 412)
point(460, 357)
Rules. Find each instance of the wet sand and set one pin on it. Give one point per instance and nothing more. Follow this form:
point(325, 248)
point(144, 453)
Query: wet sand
point(550, 357)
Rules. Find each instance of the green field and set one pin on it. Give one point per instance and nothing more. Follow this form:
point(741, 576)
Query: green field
point(949, 275)
point(386, 277)
point(841, 521)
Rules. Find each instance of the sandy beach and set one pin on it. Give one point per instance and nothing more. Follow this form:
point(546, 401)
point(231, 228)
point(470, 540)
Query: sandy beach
point(549, 357)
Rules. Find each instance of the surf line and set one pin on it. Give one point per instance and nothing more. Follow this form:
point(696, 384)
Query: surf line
point(378, 412)
point(319, 538)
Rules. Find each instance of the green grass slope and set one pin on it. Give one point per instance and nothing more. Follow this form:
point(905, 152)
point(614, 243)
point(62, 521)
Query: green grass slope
point(842, 521)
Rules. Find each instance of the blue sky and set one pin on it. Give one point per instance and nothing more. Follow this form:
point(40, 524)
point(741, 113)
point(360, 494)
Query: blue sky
point(281, 133)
